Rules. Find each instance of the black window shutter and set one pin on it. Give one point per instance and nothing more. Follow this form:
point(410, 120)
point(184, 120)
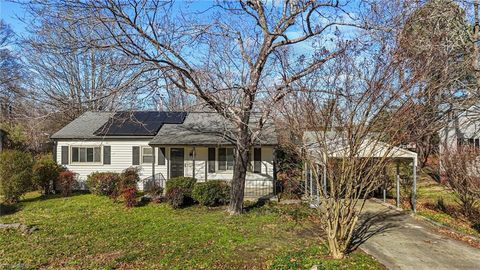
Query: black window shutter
point(257, 160)
point(64, 155)
point(107, 154)
point(54, 151)
point(135, 155)
point(211, 160)
point(161, 156)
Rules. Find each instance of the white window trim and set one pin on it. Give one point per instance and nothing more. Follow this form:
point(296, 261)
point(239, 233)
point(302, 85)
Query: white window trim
point(141, 155)
point(85, 163)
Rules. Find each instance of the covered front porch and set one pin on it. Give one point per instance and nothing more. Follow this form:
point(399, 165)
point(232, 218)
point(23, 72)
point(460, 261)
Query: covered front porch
point(210, 162)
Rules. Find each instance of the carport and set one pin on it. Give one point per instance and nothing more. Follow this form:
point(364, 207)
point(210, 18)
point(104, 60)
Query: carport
point(319, 147)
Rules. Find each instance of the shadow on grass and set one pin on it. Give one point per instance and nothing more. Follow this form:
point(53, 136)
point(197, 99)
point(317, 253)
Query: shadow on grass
point(373, 223)
point(8, 209)
point(53, 196)
point(255, 205)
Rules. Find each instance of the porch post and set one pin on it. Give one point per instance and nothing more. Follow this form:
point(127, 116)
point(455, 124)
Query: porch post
point(153, 164)
point(193, 161)
point(414, 191)
point(274, 179)
point(398, 184)
point(167, 153)
point(206, 166)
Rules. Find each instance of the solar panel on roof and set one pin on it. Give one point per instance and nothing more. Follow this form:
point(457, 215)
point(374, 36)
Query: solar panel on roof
point(142, 123)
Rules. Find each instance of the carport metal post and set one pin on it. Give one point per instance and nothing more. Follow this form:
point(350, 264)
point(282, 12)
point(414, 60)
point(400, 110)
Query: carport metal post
point(384, 184)
point(398, 184)
point(414, 191)
point(305, 175)
point(309, 176)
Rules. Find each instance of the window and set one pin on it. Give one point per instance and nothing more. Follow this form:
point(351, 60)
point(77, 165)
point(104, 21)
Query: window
point(225, 159)
point(211, 160)
point(86, 154)
point(147, 155)
point(470, 142)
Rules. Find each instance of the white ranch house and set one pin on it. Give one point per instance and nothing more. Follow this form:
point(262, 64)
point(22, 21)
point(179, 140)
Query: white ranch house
point(462, 129)
point(163, 145)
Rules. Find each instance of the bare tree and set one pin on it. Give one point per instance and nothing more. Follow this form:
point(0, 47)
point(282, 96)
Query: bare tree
point(462, 173)
point(435, 44)
point(11, 73)
point(353, 116)
point(68, 78)
point(230, 55)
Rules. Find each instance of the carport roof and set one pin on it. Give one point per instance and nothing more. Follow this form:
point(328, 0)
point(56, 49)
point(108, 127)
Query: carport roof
point(337, 146)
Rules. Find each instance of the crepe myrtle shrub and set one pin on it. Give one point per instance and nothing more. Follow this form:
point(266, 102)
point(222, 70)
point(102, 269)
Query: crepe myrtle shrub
point(179, 191)
point(65, 182)
point(15, 174)
point(45, 173)
point(211, 193)
point(104, 183)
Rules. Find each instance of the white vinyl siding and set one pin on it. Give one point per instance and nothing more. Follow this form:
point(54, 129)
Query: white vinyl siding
point(121, 158)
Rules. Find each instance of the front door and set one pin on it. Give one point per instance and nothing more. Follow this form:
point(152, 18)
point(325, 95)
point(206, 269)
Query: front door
point(177, 160)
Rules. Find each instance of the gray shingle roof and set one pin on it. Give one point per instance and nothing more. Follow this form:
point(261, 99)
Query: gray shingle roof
point(204, 128)
point(199, 128)
point(83, 127)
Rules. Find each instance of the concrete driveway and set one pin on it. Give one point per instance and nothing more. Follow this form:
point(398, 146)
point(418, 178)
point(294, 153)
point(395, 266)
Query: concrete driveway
point(399, 241)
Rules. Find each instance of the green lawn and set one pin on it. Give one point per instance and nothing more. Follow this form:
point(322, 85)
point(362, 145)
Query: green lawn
point(428, 195)
point(87, 231)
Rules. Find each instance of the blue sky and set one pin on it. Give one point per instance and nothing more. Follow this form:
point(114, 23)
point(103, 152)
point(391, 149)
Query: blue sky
point(9, 12)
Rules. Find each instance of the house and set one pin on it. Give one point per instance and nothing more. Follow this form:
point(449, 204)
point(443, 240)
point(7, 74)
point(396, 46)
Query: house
point(463, 128)
point(162, 145)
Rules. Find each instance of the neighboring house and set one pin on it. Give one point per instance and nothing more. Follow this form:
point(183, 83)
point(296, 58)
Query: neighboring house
point(162, 145)
point(463, 128)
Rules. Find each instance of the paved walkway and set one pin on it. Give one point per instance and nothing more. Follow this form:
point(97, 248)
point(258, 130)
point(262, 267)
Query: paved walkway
point(399, 241)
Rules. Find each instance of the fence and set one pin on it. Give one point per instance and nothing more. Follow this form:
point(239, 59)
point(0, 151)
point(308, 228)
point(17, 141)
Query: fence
point(254, 188)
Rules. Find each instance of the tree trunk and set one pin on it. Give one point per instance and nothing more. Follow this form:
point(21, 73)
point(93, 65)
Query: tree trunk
point(476, 29)
point(335, 250)
point(239, 171)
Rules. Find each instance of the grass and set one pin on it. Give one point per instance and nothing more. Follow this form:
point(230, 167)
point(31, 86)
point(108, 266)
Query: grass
point(85, 231)
point(428, 195)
